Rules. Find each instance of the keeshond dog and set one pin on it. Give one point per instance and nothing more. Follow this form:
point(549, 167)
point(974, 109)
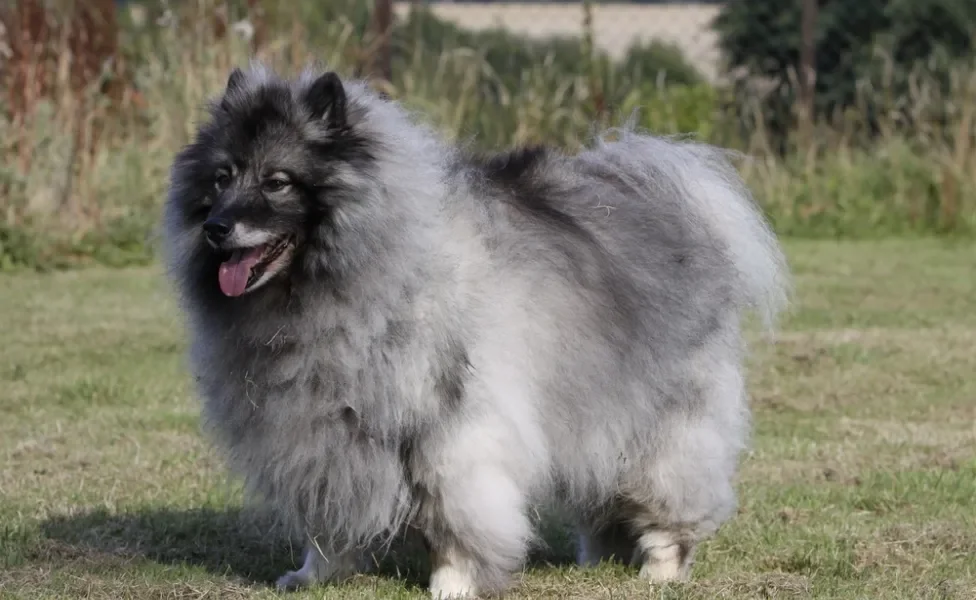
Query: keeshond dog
point(395, 333)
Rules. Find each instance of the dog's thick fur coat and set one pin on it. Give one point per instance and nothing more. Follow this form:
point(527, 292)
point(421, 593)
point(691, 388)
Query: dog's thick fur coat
point(452, 339)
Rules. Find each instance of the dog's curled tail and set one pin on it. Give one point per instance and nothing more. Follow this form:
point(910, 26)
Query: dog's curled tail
point(724, 201)
point(706, 178)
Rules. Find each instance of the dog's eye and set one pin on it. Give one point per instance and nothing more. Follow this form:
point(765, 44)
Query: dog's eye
point(222, 179)
point(274, 185)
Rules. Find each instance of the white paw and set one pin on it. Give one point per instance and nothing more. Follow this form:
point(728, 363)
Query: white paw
point(449, 582)
point(291, 581)
point(663, 561)
point(660, 571)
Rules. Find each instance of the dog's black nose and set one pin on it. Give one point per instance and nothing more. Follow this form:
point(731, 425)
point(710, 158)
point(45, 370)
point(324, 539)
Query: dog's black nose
point(217, 229)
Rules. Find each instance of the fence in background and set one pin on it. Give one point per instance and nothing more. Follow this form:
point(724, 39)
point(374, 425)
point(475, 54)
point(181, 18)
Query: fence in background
point(615, 26)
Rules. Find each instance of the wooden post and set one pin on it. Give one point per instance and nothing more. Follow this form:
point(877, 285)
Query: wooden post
point(808, 65)
point(382, 29)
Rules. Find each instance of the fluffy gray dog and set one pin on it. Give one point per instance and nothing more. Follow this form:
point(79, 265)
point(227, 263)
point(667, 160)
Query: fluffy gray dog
point(392, 334)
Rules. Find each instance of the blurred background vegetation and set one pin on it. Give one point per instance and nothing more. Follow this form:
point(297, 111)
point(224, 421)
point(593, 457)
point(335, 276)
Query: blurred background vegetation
point(98, 96)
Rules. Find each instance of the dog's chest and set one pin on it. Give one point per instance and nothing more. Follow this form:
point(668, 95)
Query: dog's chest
point(356, 383)
point(319, 427)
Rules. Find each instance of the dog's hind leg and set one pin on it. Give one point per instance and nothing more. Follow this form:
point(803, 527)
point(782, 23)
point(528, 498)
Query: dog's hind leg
point(666, 532)
point(628, 537)
point(666, 555)
point(321, 567)
point(681, 492)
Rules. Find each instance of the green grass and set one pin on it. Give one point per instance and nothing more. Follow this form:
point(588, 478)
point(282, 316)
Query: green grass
point(860, 483)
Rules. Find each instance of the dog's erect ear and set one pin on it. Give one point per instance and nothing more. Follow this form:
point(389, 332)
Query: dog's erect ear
point(327, 100)
point(234, 82)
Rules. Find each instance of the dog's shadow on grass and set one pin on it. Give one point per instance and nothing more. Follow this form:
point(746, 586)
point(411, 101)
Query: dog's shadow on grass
point(238, 543)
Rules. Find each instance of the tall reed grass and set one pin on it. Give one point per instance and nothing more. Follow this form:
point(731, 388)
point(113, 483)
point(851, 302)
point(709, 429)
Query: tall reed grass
point(65, 202)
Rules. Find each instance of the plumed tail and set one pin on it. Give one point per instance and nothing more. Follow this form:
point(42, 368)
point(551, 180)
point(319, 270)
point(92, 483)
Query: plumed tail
point(717, 194)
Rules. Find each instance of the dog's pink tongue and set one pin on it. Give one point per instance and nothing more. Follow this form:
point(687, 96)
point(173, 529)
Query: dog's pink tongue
point(234, 273)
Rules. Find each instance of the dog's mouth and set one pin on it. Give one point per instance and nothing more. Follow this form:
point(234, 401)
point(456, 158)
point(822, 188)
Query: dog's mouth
point(245, 267)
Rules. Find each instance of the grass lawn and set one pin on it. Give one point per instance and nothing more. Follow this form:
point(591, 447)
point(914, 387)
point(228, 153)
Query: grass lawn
point(861, 482)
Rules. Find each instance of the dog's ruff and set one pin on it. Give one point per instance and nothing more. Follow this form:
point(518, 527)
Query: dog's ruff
point(409, 335)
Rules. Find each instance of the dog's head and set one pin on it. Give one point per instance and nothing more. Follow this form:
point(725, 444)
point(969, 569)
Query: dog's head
point(264, 175)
